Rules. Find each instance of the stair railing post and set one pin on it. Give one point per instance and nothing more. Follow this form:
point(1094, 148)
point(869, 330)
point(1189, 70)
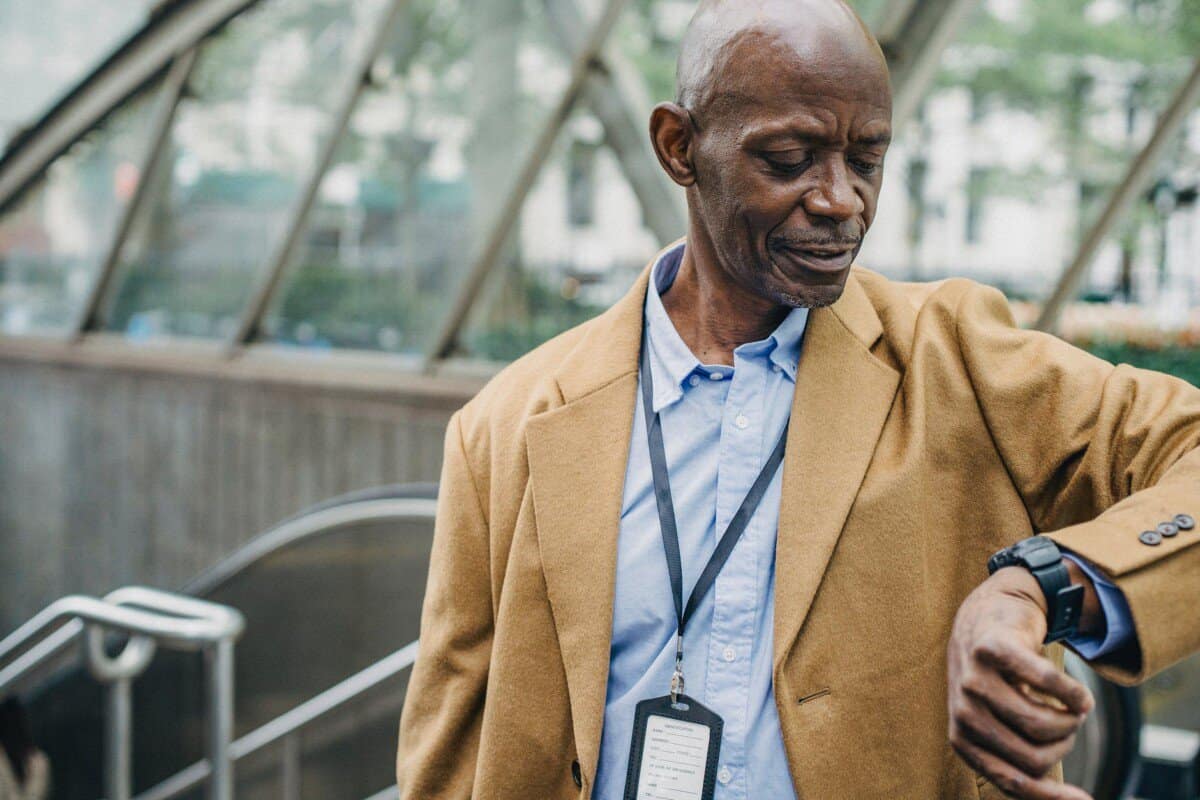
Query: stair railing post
point(219, 659)
point(118, 672)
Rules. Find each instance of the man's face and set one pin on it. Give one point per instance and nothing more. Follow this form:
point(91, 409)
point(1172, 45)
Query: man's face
point(788, 158)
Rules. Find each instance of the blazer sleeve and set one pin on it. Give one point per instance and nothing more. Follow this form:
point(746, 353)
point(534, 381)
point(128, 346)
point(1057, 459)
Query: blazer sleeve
point(1099, 454)
point(443, 706)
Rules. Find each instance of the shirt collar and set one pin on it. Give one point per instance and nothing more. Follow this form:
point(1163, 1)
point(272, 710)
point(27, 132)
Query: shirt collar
point(672, 363)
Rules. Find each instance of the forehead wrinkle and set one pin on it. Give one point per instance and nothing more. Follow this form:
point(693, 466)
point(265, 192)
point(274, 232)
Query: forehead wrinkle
point(813, 129)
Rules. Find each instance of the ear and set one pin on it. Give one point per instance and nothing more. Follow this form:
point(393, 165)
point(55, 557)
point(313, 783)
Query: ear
point(673, 136)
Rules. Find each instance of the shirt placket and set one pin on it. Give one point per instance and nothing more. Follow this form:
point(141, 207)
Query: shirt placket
point(735, 600)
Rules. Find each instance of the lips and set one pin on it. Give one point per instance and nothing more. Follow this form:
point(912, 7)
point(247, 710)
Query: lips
point(826, 259)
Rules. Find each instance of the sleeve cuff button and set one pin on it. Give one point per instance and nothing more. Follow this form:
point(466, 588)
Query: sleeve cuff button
point(1185, 522)
point(1168, 529)
point(1150, 538)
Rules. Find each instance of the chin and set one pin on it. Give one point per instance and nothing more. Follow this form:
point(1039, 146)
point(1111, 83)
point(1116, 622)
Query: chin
point(810, 296)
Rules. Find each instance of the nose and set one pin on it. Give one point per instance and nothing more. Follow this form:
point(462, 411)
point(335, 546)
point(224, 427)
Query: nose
point(834, 196)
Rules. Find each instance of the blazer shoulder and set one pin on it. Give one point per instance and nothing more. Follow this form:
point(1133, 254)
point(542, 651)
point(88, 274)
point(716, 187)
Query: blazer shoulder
point(521, 390)
point(912, 311)
point(890, 296)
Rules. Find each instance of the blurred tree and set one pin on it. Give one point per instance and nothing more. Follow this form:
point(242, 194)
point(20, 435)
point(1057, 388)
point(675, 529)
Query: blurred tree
point(1072, 62)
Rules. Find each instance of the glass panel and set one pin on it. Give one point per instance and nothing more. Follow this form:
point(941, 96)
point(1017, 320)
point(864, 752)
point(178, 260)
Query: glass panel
point(257, 112)
point(458, 95)
point(565, 267)
point(47, 46)
point(428, 156)
point(581, 239)
point(53, 240)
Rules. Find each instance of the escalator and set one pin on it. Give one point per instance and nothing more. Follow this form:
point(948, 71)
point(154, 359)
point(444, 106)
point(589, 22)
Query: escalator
point(325, 594)
point(329, 593)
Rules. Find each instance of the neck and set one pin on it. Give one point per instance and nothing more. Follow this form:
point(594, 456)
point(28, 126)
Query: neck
point(713, 315)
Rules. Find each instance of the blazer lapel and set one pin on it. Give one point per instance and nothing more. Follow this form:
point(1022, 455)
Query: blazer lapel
point(577, 460)
point(843, 396)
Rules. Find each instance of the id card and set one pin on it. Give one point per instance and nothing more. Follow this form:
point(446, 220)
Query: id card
point(675, 751)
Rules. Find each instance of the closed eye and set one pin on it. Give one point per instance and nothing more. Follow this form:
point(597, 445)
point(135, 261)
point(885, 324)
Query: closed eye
point(785, 166)
point(864, 168)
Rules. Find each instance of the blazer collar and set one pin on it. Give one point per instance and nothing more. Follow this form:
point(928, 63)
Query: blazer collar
point(577, 460)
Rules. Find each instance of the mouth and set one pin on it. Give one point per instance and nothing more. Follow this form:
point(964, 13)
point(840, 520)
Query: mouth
point(828, 259)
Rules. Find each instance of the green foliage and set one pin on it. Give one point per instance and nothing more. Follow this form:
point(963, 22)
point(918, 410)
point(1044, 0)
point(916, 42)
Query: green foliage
point(1044, 61)
point(544, 313)
point(1182, 362)
point(350, 307)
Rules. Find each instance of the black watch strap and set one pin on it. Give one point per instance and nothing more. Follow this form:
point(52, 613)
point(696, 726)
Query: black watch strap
point(1064, 602)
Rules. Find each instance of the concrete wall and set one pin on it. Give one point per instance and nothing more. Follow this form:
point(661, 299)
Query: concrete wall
point(119, 466)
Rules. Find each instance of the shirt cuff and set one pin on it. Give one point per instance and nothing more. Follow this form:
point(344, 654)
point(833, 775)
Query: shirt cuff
point(1114, 608)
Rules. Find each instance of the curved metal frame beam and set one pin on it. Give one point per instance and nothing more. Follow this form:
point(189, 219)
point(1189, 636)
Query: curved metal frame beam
point(301, 210)
point(914, 35)
point(90, 315)
point(615, 93)
point(144, 56)
point(488, 254)
point(1141, 170)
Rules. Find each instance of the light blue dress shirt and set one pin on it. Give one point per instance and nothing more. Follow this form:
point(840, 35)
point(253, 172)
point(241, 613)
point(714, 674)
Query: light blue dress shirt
point(720, 424)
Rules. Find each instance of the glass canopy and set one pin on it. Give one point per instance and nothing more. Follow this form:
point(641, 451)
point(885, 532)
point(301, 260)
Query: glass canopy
point(1037, 108)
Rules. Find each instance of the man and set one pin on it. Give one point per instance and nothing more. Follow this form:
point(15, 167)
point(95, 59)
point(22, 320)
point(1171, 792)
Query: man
point(596, 481)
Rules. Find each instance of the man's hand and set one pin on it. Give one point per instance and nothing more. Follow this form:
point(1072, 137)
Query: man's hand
point(1013, 714)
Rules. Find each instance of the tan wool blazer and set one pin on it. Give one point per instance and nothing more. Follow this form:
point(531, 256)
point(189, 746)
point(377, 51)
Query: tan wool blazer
point(927, 432)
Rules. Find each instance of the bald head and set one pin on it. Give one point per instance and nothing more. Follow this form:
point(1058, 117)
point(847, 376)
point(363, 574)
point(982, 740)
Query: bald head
point(732, 43)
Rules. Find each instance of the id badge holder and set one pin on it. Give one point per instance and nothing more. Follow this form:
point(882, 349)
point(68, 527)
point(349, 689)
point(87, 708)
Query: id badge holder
point(674, 752)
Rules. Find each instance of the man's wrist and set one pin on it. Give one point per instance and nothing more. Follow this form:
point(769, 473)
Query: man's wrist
point(1019, 582)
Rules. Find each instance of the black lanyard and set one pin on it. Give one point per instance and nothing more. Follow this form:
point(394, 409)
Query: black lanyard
point(666, 517)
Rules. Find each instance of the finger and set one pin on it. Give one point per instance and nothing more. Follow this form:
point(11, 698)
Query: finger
point(1020, 664)
point(1012, 781)
point(981, 728)
point(1037, 722)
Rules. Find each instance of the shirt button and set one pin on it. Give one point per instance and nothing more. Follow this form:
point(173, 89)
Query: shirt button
point(730, 654)
point(775, 368)
point(724, 776)
point(742, 422)
point(716, 376)
point(694, 380)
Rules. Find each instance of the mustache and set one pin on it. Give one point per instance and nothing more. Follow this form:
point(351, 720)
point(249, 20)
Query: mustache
point(792, 241)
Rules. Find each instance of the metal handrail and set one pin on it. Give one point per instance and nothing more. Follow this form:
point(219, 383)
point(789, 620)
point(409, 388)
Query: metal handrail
point(291, 722)
point(151, 617)
point(170, 619)
point(402, 501)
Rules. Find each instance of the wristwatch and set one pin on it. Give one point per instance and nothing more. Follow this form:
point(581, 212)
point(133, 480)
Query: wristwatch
point(1041, 556)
